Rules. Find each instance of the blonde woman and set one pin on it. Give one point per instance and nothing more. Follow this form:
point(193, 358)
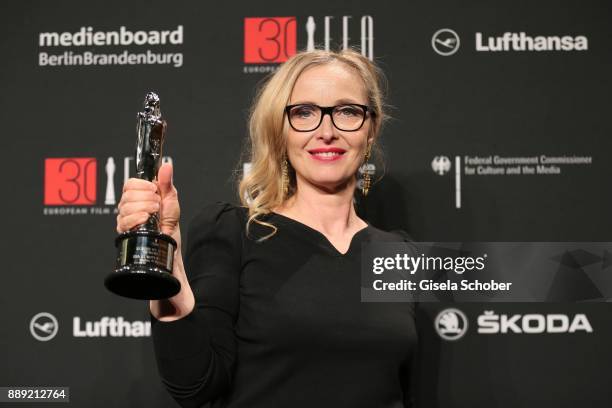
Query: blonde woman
point(269, 314)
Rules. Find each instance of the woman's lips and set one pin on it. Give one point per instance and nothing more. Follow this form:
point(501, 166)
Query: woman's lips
point(327, 154)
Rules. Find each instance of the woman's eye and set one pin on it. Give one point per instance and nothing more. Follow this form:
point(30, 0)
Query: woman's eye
point(303, 112)
point(348, 111)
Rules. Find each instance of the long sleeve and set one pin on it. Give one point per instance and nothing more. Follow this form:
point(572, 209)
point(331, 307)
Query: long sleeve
point(196, 354)
point(408, 373)
point(280, 323)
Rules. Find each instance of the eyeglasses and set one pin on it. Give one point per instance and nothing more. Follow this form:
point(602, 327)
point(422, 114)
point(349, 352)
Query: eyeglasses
point(308, 117)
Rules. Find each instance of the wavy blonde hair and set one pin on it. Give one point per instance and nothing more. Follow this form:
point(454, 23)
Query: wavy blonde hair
point(262, 189)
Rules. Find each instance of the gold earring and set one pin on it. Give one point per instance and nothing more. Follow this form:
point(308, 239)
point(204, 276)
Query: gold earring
point(285, 177)
point(366, 171)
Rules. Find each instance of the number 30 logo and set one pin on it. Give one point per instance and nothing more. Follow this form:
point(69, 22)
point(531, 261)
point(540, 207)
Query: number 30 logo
point(269, 39)
point(70, 181)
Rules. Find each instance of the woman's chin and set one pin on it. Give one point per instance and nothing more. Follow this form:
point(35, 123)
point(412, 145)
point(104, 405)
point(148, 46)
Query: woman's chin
point(332, 186)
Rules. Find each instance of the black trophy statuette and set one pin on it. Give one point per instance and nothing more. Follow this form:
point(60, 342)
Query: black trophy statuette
point(145, 255)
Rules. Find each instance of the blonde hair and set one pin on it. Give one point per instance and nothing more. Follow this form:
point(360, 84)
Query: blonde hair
point(261, 189)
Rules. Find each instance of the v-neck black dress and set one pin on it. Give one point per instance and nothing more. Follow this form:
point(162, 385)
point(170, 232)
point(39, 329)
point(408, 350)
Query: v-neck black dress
point(281, 323)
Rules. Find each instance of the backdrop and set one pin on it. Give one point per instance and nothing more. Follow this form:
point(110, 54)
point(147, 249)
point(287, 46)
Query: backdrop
point(500, 132)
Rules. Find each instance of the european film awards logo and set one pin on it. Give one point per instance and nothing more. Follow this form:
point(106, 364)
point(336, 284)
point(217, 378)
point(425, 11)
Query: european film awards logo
point(269, 40)
point(70, 181)
point(73, 186)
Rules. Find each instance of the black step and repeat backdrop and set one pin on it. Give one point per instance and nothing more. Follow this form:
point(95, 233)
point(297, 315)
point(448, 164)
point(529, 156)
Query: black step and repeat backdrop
point(501, 131)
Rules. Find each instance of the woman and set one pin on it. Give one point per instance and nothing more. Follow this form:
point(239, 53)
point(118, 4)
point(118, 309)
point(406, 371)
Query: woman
point(269, 314)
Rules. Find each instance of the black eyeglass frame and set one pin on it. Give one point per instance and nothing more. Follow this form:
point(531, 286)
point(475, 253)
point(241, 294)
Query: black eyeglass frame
point(328, 110)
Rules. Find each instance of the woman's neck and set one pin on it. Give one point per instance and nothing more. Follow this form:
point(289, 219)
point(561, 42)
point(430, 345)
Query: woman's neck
point(331, 213)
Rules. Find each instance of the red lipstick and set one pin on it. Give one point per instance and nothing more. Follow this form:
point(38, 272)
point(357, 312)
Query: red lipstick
point(327, 153)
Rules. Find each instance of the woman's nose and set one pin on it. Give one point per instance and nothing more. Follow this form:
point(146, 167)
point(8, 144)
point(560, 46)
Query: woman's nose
point(326, 130)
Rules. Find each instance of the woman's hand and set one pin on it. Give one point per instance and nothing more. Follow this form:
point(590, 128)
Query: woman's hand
point(142, 198)
point(139, 200)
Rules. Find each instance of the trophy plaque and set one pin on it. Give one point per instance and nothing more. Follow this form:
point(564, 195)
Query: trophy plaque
point(145, 255)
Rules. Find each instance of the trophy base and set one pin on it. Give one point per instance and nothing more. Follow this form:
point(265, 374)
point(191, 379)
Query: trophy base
point(140, 282)
point(144, 266)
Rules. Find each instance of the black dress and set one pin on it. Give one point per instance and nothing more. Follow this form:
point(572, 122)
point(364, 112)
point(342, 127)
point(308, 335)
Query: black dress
point(281, 323)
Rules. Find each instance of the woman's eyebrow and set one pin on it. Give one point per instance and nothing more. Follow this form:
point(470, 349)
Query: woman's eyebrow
point(342, 101)
point(346, 101)
point(302, 103)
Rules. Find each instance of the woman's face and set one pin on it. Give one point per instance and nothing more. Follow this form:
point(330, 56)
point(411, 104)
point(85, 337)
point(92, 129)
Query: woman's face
point(328, 158)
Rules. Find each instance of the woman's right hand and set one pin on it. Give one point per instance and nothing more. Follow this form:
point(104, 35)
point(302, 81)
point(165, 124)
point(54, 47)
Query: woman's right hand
point(139, 200)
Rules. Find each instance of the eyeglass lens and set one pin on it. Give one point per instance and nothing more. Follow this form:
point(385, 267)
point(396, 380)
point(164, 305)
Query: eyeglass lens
point(344, 117)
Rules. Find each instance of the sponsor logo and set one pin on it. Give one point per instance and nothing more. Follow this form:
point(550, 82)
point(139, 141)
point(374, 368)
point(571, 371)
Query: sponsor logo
point(441, 165)
point(74, 55)
point(512, 166)
point(520, 165)
point(43, 326)
point(491, 323)
point(86, 36)
point(110, 327)
point(451, 324)
point(523, 42)
point(445, 42)
point(72, 184)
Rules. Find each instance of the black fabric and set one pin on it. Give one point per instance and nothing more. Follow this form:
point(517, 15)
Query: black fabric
point(280, 323)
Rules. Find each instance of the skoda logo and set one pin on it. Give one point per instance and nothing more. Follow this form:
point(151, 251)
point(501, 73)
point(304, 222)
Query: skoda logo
point(43, 326)
point(445, 42)
point(451, 324)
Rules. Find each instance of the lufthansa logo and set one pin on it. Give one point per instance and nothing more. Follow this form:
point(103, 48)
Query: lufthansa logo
point(44, 326)
point(445, 42)
point(451, 324)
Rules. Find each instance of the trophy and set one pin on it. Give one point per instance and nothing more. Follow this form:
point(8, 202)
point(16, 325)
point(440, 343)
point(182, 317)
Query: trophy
point(145, 255)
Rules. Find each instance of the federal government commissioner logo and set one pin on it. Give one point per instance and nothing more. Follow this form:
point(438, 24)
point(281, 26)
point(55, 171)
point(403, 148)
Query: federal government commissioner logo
point(441, 165)
point(451, 324)
point(445, 42)
point(43, 326)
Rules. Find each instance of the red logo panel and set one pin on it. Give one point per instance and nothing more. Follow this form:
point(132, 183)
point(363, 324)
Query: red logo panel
point(70, 181)
point(269, 39)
